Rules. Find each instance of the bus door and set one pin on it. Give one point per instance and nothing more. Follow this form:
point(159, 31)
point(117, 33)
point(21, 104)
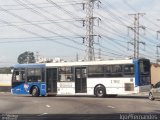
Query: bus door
point(52, 80)
point(80, 80)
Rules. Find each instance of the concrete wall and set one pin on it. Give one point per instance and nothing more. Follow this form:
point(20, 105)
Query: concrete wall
point(5, 82)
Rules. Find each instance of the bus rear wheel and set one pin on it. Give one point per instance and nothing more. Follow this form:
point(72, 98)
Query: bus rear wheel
point(35, 91)
point(100, 91)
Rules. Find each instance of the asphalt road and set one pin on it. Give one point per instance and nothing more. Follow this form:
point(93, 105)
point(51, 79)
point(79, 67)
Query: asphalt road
point(84, 107)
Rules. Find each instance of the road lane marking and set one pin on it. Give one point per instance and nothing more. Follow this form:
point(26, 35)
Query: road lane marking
point(48, 106)
point(43, 114)
point(111, 106)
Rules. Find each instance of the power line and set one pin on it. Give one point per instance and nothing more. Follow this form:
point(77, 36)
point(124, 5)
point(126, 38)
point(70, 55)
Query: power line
point(44, 16)
point(62, 3)
point(38, 35)
point(38, 26)
point(141, 36)
point(43, 22)
point(23, 20)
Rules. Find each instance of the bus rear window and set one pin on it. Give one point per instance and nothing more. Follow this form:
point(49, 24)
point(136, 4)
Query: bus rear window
point(144, 67)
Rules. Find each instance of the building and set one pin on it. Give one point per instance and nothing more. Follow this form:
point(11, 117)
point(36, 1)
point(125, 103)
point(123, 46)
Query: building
point(155, 73)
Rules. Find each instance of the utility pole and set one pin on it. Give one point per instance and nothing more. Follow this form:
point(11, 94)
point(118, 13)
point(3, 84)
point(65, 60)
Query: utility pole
point(99, 53)
point(77, 57)
point(37, 56)
point(158, 30)
point(157, 34)
point(136, 31)
point(27, 57)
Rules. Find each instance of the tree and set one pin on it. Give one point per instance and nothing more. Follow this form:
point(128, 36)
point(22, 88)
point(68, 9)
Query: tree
point(26, 57)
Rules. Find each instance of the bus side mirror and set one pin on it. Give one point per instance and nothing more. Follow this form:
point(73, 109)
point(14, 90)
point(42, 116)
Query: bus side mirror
point(11, 70)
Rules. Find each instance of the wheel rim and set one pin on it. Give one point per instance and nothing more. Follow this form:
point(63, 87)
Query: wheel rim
point(150, 96)
point(100, 92)
point(34, 92)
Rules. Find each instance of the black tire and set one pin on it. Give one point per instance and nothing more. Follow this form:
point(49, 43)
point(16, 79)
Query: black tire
point(100, 91)
point(151, 96)
point(35, 91)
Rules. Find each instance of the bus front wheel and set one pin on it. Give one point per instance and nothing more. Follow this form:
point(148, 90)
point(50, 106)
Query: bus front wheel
point(35, 91)
point(100, 91)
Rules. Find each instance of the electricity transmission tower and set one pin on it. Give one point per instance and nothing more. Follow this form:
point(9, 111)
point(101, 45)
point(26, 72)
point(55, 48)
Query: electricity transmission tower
point(136, 30)
point(89, 24)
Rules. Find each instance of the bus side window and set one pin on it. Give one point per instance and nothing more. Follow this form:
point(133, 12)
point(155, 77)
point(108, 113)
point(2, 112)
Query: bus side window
point(34, 75)
point(114, 71)
point(95, 71)
point(65, 74)
point(128, 69)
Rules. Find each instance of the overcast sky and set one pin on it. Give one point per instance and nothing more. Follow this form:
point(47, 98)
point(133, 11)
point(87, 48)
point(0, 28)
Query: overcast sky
point(54, 28)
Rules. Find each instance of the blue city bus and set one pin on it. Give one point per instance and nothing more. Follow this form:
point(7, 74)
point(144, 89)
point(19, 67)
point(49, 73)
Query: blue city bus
point(99, 78)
